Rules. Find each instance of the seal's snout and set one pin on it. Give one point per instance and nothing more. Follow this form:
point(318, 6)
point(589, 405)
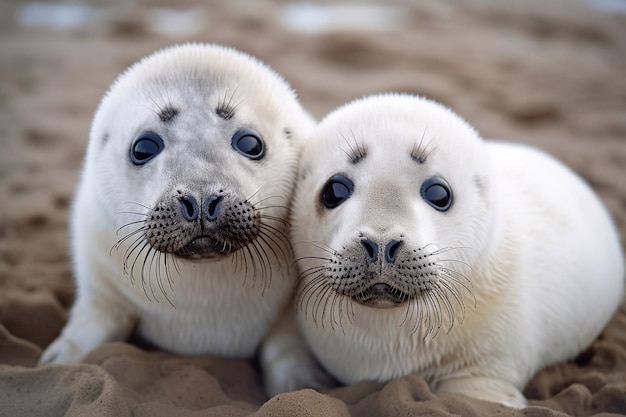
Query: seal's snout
point(372, 249)
point(193, 225)
point(385, 271)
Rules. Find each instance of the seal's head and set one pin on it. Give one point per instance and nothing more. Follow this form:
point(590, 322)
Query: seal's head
point(190, 155)
point(392, 208)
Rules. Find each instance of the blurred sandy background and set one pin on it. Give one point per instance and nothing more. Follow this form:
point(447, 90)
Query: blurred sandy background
point(551, 73)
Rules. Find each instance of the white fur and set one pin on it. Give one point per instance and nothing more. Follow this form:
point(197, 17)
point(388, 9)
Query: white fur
point(540, 253)
point(217, 307)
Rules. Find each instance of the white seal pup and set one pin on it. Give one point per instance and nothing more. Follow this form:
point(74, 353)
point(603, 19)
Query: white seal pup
point(178, 227)
point(426, 250)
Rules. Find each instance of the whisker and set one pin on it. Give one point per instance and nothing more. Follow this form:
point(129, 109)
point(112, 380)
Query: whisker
point(132, 268)
point(135, 213)
point(309, 291)
point(274, 218)
point(406, 312)
point(311, 271)
point(140, 205)
point(333, 296)
point(154, 253)
point(176, 266)
point(417, 316)
point(318, 303)
point(258, 206)
point(266, 266)
point(348, 305)
point(249, 199)
point(432, 313)
point(277, 237)
point(299, 260)
point(448, 249)
point(266, 239)
point(277, 232)
point(160, 277)
point(128, 236)
point(254, 267)
point(130, 224)
point(312, 257)
point(450, 275)
point(456, 275)
point(343, 300)
point(453, 291)
point(329, 296)
point(234, 260)
point(129, 251)
point(318, 245)
point(272, 244)
point(168, 275)
point(311, 287)
point(447, 306)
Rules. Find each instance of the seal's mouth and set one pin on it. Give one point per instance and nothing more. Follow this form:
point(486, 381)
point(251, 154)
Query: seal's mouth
point(206, 248)
point(381, 295)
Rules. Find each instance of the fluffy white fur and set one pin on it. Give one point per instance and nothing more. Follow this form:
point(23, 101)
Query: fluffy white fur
point(534, 257)
point(223, 305)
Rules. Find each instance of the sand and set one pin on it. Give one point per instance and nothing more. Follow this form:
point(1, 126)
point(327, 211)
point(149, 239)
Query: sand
point(549, 73)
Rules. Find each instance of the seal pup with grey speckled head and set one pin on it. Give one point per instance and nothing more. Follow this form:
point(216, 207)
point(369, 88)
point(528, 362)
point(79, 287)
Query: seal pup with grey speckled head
point(178, 226)
point(425, 249)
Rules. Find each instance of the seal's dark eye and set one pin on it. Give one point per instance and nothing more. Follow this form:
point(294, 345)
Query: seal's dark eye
point(437, 193)
point(248, 143)
point(146, 146)
point(336, 190)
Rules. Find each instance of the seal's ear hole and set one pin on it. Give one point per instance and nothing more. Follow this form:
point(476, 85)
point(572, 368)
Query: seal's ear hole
point(248, 142)
point(437, 192)
point(336, 190)
point(145, 146)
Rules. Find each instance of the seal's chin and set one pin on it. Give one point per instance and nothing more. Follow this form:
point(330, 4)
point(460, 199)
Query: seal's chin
point(206, 248)
point(381, 295)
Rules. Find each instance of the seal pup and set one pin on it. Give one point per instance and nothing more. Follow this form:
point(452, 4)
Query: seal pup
point(178, 226)
point(426, 250)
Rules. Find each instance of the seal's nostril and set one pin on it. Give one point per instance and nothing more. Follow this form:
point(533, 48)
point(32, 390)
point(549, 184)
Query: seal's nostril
point(211, 207)
point(391, 250)
point(189, 207)
point(371, 248)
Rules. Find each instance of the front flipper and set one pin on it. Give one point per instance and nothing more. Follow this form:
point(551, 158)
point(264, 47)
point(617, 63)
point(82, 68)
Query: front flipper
point(93, 320)
point(483, 388)
point(287, 362)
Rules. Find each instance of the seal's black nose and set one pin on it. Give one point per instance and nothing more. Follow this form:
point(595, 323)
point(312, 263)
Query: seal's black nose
point(391, 250)
point(211, 207)
point(371, 248)
point(189, 208)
